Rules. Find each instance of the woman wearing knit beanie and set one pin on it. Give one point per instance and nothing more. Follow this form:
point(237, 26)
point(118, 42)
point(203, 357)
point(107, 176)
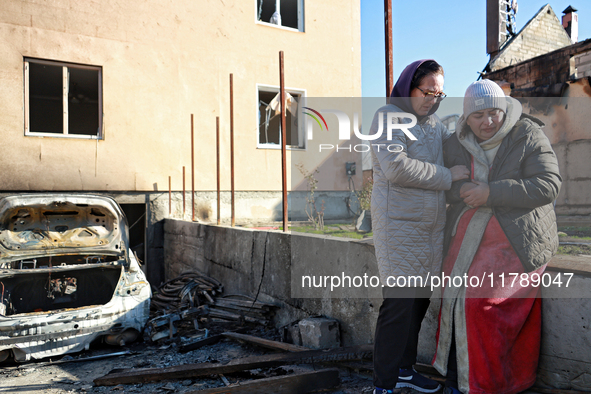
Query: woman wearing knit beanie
point(500, 223)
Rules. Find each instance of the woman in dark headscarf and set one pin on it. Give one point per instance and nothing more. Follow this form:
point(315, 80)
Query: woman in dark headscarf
point(408, 214)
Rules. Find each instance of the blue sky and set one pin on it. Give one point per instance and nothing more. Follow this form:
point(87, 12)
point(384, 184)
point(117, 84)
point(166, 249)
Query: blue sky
point(453, 33)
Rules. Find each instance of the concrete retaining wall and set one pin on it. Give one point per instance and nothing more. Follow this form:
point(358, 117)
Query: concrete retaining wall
point(237, 258)
point(245, 260)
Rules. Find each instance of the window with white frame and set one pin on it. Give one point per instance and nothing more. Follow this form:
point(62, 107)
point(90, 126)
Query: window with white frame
point(286, 13)
point(63, 99)
point(269, 117)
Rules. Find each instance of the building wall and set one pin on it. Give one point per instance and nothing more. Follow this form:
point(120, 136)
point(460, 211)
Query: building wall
point(566, 120)
point(552, 89)
point(536, 77)
point(542, 34)
point(162, 61)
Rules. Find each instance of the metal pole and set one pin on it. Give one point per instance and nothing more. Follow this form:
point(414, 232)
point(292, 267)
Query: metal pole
point(217, 140)
point(232, 146)
point(192, 171)
point(389, 55)
point(283, 141)
point(169, 196)
point(183, 192)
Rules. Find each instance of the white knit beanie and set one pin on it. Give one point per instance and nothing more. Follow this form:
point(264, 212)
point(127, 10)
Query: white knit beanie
point(482, 95)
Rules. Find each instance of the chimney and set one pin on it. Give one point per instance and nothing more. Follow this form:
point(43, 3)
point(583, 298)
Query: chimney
point(493, 23)
point(500, 24)
point(570, 22)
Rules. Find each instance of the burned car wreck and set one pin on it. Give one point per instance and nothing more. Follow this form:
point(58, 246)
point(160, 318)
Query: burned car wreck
point(67, 276)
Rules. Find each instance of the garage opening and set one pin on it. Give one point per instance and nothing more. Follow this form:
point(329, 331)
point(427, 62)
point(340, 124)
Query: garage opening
point(136, 220)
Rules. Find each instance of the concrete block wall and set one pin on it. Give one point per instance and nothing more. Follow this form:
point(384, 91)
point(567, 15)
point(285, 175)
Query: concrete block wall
point(574, 197)
point(237, 258)
point(244, 260)
point(541, 71)
point(583, 64)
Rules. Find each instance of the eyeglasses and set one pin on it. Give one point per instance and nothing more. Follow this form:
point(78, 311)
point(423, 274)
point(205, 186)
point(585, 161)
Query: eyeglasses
point(432, 96)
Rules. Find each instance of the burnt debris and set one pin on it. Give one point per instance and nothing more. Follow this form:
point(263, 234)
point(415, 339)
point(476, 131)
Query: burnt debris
point(187, 304)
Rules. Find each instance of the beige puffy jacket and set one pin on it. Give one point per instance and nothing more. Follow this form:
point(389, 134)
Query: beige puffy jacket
point(408, 199)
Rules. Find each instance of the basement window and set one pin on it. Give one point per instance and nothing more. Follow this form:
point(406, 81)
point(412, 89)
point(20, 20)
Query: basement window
point(63, 99)
point(269, 118)
point(283, 13)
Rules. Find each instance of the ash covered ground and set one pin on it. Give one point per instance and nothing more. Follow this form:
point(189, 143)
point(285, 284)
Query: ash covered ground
point(70, 374)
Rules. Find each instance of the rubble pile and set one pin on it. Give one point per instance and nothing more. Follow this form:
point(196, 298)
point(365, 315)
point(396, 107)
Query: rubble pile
point(185, 291)
point(192, 300)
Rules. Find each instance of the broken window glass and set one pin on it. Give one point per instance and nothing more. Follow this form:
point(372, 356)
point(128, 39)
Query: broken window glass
point(62, 99)
point(270, 119)
point(287, 13)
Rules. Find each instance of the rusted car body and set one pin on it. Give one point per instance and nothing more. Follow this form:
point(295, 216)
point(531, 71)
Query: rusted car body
point(67, 276)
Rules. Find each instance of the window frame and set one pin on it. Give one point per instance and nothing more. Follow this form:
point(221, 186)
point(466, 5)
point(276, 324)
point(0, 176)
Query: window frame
point(65, 66)
point(301, 16)
point(301, 137)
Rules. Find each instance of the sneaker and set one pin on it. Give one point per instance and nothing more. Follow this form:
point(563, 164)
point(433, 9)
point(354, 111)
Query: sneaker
point(378, 390)
point(451, 390)
point(412, 379)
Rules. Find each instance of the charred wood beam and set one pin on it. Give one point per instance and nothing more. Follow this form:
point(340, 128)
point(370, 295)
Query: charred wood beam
point(274, 345)
point(189, 371)
point(74, 360)
point(293, 384)
point(266, 343)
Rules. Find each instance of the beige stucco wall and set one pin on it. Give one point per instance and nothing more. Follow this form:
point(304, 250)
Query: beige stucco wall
point(162, 61)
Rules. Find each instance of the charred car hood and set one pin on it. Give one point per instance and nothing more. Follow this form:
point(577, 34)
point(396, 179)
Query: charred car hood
point(56, 224)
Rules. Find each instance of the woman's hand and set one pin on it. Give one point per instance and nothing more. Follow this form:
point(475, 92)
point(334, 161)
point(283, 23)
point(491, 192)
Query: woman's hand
point(459, 172)
point(475, 195)
point(467, 186)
